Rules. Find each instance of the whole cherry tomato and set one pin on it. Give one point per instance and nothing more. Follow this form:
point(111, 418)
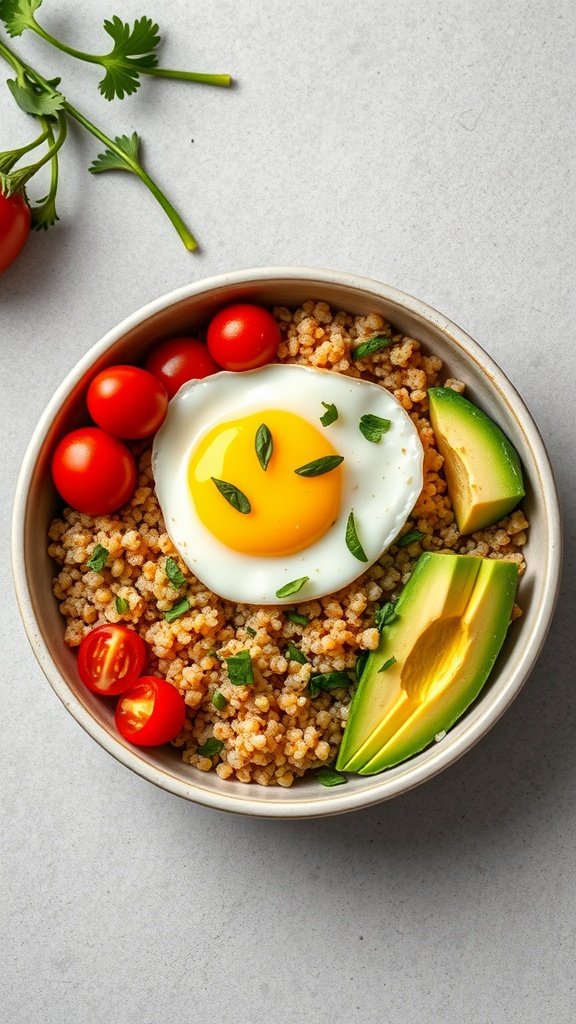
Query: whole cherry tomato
point(110, 659)
point(243, 337)
point(152, 712)
point(15, 219)
point(127, 401)
point(93, 471)
point(178, 360)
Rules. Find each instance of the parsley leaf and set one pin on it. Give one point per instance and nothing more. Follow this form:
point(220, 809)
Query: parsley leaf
point(33, 100)
point(98, 558)
point(211, 747)
point(132, 51)
point(385, 615)
point(122, 605)
point(219, 700)
point(297, 618)
point(328, 681)
point(352, 542)
point(368, 348)
point(293, 587)
point(174, 573)
point(331, 414)
point(294, 653)
point(123, 161)
point(18, 15)
point(177, 610)
point(240, 671)
point(328, 776)
point(410, 538)
point(373, 427)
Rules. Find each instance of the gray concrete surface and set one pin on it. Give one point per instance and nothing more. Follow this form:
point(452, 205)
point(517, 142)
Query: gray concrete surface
point(430, 144)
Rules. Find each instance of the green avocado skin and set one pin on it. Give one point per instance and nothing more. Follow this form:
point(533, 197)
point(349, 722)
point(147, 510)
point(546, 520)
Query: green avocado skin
point(453, 614)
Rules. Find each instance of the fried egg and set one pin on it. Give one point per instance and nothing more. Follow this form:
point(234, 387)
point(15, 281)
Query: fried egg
point(267, 497)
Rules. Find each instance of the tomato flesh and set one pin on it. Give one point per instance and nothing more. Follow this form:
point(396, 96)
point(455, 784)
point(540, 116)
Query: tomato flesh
point(178, 360)
point(15, 220)
point(243, 337)
point(110, 659)
point(93, 471)
point(151, 712)
point(127, 401)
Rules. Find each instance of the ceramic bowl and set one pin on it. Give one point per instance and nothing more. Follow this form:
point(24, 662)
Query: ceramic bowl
point(36, 503)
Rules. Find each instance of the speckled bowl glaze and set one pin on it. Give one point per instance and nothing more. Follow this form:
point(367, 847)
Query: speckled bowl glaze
point(36, 502)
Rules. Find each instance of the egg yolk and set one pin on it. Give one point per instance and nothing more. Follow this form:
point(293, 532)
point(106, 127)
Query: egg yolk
point(288, 512)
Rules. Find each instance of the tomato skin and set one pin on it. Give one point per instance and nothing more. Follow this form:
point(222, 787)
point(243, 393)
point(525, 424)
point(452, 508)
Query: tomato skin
point(243, 337)
point(127, 401)
point(110, 659)
point(15, 220)
point(178, 360)
point(93, 471)
point(151, 712)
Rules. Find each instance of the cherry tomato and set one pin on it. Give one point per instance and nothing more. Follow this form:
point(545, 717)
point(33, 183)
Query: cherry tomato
point(110, 659)
point(93, 471)
point(127, 401)
point(15, 219)
point(152, 712)
point(178, 360)
point(243, 337)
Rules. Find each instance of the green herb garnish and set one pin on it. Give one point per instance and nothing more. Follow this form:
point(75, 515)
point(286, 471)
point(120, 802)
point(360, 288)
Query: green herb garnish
point(174, 573)
point(385, 615)
point(297, 618)
point(368, 348)
point(373, 427)
point(234, 496)
point(292, 588)
point(295, 654)
point(98, 558)
point(331, 414)
point(264, 445)
point(250, 630)
point(240, 671)
point(328, 681)
point(219, 700)
point(177, 610)
point(387, 664)
point(122, 605)
point(352, 542)
point(410, 538)
point(320, 466)
point(361, 664)
point(211, 747)
point(330, 777)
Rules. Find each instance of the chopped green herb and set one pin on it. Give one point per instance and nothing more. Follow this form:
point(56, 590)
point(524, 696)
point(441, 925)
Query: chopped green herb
point(373, 427)
point(297, 619)
point(385, 615)
point(219, 700)
point(250, 631)
point(295, 654)
point(352, 542)
point(387, 664)
point(410, 538)
point(330, 777)
point(292, 588)
point(122, 605)
point(320, 466)
point(328, 681)
point(234, 496)
point(240, 671)
point(177, 610)
point(211, 747)
point(368, 348)
point(331, 414)
point(263, 445)
point(174, 573)
point(361, 664)
point(99, 558)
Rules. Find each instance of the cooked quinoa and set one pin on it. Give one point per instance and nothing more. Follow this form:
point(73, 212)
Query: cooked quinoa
point(271, 732)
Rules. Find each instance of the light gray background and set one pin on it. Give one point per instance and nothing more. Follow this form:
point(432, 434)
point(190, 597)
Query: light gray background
point(429, 144)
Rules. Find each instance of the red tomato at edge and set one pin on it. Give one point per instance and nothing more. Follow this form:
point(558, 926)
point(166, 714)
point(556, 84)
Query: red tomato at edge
point(243, 337)
point(15, 220)
point(110, 659)
point(93, 471)
point(127, 401)
point(152, 712)
point(178, 360)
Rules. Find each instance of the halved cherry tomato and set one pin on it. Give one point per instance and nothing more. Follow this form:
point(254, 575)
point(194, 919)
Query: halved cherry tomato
point(110, 659)
point(15, 219)
point(178, 360)
point(152, 712)
point(93, 471)
point(127, 401)
point(243, 337)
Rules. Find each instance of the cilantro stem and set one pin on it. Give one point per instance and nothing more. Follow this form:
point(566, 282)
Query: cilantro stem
point(16, 181)
point(189, 76)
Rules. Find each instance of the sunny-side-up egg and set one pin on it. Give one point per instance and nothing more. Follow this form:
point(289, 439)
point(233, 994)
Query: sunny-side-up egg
point(245, 521)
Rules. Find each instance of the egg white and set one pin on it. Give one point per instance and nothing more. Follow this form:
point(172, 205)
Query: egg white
point(380, 481)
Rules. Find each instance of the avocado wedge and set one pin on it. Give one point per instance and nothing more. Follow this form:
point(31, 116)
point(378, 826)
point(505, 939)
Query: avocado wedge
point(482, 467)
point(453, 616)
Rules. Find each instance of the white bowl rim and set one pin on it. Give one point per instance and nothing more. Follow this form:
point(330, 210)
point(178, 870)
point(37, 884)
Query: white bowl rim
point(337, 800)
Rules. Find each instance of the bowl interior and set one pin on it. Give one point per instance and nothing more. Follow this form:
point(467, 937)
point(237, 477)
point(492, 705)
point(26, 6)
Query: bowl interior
point(187, 311)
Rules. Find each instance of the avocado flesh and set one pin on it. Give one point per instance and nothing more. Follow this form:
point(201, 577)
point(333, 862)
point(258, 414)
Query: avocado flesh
point(482, 468)
point(438, 591)
point(465, 667)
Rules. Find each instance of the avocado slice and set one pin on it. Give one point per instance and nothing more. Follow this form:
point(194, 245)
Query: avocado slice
point(442, 682)
point(482, 468)
point(434, 598)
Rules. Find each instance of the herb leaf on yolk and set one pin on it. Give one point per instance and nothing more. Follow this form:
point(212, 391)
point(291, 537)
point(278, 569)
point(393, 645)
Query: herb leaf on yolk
point(264, 446)
point(234, 496)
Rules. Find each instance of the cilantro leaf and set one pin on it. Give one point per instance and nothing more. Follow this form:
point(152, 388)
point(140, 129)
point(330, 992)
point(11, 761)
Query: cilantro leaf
point(111, 161)
point(18, 15)
point(33, 100)
point(132, 51)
